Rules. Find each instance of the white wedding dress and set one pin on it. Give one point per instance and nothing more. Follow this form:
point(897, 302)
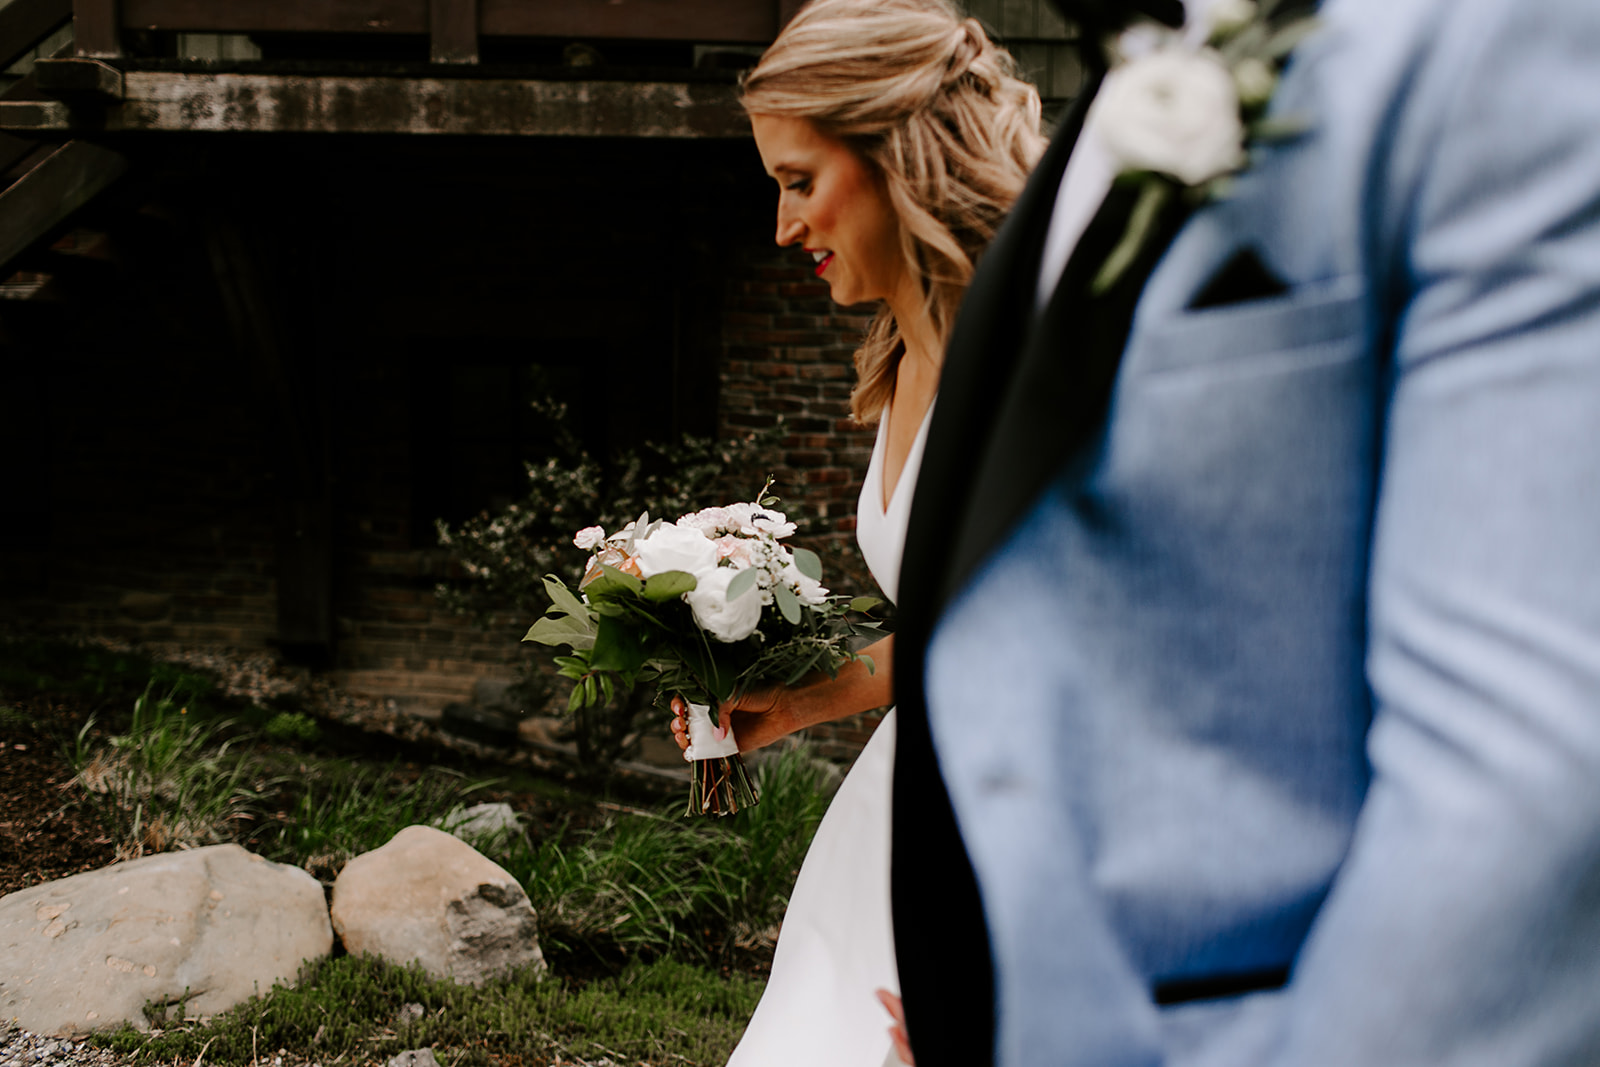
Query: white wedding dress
point(836, 948)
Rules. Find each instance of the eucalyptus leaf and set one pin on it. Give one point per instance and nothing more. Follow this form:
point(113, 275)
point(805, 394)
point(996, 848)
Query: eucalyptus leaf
point(788, 603)
point(808, 563)
point(669, 585)
point(742, 583)
point(864, 604)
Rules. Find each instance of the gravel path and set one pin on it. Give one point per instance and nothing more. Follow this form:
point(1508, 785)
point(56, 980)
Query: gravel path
point(18, 1048)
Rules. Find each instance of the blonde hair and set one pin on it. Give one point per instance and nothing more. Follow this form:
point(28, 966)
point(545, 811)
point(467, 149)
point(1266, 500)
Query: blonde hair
point(938, 109)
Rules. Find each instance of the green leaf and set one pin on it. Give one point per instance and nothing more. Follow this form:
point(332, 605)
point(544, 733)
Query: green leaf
point(742, 582)
point(864, 604)
point(808, 563)
point(617, 648)
point(669, 585)
point(1289, 37)
point(872, 664)
point(563, 630)
point(563, 598)
point(788, 603)
point(613, 582)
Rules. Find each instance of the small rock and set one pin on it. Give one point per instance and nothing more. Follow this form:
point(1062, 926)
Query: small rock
point(410, 1013)
point(213, 925)
point(417, 1057)
point(484, 826)
point(431, 897)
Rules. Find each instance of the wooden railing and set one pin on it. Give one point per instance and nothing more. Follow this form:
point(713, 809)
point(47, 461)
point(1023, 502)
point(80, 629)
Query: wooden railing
point(454, 27)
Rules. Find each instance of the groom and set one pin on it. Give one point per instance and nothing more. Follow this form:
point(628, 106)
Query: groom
point(1249, 670)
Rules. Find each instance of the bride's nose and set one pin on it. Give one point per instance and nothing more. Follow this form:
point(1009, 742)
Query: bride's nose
point(789, 228)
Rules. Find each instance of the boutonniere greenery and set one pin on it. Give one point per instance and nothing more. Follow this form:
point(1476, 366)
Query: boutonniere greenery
point(1179, 119)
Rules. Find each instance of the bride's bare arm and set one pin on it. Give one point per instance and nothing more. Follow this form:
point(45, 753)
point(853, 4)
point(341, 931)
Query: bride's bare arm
point(762, 716)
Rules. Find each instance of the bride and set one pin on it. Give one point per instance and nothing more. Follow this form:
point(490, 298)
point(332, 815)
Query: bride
point(899, 136)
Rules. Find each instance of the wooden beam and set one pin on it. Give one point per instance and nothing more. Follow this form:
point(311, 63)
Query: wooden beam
point(78, 78)
point(453, 26)
point(268, 103)
point(96, 33)
point(25, 23)
point(278, 16)
point(706, 21)
point(42, 199)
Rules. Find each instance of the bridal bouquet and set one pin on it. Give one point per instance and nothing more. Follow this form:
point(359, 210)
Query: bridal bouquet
point(706, 607)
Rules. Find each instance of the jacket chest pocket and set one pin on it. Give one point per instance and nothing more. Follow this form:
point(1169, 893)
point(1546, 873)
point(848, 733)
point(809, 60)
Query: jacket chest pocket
point(1310, 325)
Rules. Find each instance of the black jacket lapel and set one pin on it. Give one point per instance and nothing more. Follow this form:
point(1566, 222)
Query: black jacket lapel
point(938, 916)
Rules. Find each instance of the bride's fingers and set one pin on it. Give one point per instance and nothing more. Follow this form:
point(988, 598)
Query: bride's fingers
point(897, 1032)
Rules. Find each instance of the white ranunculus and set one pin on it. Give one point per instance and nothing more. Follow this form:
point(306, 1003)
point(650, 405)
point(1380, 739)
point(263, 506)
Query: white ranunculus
point(726, 620)
point(809, 590)
point(1174, 112)
point(589, 537)
point(675, 548)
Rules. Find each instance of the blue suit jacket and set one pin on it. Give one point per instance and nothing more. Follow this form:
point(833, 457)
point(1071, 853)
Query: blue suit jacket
point(1294, 669)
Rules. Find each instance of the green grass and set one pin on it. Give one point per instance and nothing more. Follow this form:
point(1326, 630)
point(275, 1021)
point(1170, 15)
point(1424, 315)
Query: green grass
point(342, 809)
point(170, 781)
point(353, 1009)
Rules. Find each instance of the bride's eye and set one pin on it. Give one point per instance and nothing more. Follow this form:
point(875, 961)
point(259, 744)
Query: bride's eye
point(799, 185)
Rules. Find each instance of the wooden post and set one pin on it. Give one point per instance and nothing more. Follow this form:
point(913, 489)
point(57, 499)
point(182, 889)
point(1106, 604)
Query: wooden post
point(95, 32)
point(454, 26)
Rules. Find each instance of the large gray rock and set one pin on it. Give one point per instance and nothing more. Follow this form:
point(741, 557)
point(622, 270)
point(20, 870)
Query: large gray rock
point(431, 897)
point(211, 927)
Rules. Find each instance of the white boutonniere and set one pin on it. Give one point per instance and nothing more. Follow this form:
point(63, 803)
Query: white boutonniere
point(1179, 118)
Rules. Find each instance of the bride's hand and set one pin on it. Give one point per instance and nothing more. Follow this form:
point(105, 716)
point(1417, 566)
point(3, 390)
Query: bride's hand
point(757, 718)
point(897, 1032)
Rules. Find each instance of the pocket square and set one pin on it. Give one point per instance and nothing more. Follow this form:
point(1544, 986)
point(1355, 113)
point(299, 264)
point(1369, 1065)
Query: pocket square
point(1244, 277)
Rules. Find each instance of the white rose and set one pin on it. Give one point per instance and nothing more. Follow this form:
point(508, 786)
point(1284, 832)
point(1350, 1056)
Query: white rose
point(589, 537)
point(809, 590)
point(726, 620)
point(1174, 112)
point(675, 548)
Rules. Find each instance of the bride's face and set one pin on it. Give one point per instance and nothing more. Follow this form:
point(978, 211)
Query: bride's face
point(833, 204)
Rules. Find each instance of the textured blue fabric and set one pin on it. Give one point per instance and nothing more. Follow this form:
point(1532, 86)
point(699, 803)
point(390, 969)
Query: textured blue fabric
point(1305, 669)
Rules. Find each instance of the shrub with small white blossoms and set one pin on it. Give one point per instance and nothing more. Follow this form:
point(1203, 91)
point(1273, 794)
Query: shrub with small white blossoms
point(706, 607)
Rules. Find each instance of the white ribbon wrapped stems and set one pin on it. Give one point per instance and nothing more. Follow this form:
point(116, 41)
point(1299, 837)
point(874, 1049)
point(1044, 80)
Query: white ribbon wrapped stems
point(703, 743)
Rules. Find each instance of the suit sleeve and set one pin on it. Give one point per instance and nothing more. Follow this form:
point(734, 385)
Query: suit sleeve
point(1464, 926)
